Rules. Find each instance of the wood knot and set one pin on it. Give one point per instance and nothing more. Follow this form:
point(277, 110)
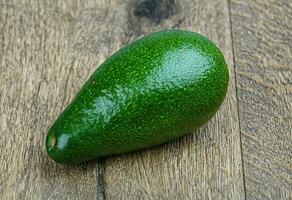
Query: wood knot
point(155, 10)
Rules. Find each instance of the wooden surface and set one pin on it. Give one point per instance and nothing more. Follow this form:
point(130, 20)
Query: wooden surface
point(262, 38)
point(49, 48)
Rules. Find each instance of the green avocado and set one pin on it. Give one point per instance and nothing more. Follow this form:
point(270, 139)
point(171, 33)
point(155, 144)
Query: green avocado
point(154, 90)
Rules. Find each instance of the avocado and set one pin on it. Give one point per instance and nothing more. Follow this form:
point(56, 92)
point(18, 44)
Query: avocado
point(152, 91)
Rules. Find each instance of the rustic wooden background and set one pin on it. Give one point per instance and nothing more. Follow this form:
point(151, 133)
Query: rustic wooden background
point(48, 48)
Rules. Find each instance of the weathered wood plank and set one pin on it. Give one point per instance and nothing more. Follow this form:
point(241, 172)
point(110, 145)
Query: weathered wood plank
point(262, 35)
point(206, 164)
point(45, 56)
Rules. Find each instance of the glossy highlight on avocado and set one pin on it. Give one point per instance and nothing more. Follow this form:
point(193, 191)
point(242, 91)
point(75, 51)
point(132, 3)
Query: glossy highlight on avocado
point(152, 91)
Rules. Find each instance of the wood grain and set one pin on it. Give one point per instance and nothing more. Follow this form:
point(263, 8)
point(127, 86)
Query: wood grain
point(45, 56)
point(262, 35)
point(205, 164)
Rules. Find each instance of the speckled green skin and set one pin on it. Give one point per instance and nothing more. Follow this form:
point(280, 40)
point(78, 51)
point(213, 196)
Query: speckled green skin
point(154, 90)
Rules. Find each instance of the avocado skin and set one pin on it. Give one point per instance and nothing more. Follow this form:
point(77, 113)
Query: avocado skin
point(154, 90)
